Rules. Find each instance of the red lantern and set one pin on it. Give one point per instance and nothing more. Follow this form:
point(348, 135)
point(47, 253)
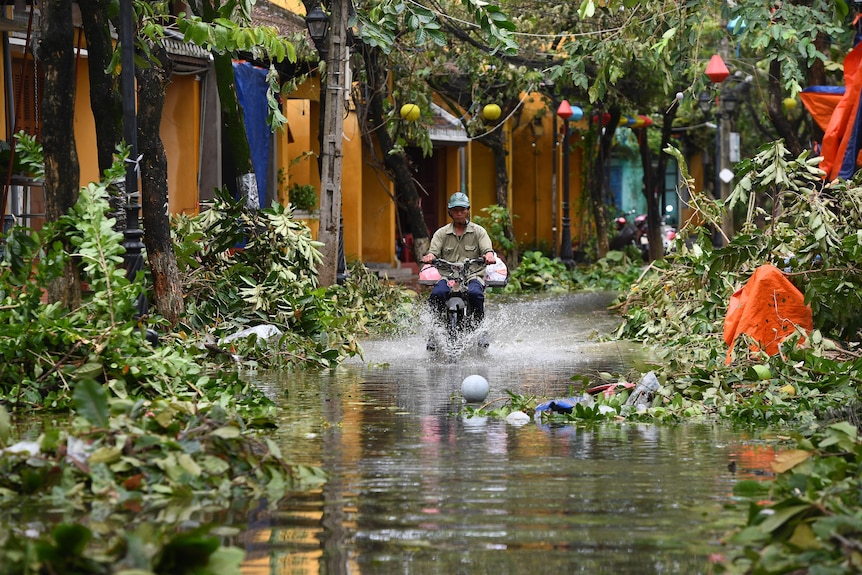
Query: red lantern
point(565, 110)
point(716, 70)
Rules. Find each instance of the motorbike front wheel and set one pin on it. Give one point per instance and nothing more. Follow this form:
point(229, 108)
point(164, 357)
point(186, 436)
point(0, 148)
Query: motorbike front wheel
point(452, 326)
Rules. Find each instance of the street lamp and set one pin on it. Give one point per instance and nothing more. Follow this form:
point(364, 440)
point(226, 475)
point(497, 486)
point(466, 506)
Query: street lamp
point(318, 27)
point(566, 112)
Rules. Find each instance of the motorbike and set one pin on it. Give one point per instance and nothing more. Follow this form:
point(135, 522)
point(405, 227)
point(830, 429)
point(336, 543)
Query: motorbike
point(457, 322)
point(635, 234)
point(631, 234)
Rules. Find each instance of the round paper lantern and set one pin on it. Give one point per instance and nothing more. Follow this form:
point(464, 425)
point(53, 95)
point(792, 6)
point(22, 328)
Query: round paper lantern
point(491, 112)
point(789, 103)
point(410, 112)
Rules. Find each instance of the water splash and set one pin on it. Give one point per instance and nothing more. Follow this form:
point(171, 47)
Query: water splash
point(528, 337)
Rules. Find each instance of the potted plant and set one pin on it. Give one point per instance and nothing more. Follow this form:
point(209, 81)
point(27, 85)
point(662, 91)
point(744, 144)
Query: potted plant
point(303, 198)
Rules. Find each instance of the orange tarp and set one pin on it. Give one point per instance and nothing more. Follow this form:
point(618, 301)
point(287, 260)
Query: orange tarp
point(767, 308)
point(840, 136)
point(821, 105)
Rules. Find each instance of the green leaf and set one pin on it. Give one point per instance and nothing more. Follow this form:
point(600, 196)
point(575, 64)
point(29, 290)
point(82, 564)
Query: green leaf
point(782, 516)
point(751, 488)
point(226, 561)
point(227, 432)
point(71, 539)
point(5, 426)
point(91, 402)
point(105, 455)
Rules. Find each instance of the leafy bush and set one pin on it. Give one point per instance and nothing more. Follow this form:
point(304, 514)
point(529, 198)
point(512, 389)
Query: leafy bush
point(809, 228)
point(303, 197)
point(614, 272)
point(538, 272)
point(496, 223)
point(807, 519)
point(272, 279)
point(47, 348)
point(813, 235)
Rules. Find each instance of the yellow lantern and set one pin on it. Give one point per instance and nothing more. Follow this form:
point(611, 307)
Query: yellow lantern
point(789, 103)
point(491, 112)
point(410, 112)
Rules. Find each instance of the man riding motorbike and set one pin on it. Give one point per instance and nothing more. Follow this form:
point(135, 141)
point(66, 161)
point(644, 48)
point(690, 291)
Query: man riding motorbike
point(455, 242)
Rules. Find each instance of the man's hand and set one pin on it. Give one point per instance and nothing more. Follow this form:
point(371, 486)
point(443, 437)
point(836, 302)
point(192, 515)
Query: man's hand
point(489, 258)
point(428, 258)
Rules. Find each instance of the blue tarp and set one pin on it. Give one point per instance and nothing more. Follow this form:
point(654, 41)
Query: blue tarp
point(251, 87)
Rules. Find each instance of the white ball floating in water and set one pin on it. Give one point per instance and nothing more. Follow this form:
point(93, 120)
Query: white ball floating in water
point(474, 388)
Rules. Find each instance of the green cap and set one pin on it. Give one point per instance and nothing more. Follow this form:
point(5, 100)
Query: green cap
point(459, 200)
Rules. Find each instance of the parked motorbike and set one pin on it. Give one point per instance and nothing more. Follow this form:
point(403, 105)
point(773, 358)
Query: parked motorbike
point(668, 237)
point(635, 233)
point(631, 234)
point(457, 316)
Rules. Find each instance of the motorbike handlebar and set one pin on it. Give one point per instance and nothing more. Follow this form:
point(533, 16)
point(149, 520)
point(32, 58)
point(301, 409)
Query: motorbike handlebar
point(466, 263)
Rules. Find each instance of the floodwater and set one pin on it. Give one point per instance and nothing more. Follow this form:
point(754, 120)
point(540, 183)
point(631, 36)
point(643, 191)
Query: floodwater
point(415, 487)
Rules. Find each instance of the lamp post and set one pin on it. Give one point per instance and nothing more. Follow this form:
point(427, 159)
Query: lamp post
point(729, 89)
point(133, 258)
point(331, 44)
point(566, 112)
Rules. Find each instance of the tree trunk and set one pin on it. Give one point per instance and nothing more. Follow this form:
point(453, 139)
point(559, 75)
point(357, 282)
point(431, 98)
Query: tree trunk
point(105, 100)
point(396, 164)
point(496, 140)
point(232, 116)
point(56, 52)
point(596, 184)
point(653, 182)
point(234, 130)
point(153, 80)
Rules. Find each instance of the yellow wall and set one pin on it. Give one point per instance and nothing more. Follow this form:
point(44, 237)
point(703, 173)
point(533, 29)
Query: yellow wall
point(351, 189)
point(378, 218)
point(450, 178)
point(180, 126)
point(85, 127)
point(295, 6)
point(481, 177)
point(303, 113)
point(179, 131)
point(301, 167)
point(531, 187)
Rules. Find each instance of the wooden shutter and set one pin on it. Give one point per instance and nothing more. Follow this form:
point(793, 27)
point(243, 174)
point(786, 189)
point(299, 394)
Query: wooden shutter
point(27, 116)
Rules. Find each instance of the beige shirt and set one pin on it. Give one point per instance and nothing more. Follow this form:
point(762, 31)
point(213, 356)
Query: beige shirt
point(473, 243)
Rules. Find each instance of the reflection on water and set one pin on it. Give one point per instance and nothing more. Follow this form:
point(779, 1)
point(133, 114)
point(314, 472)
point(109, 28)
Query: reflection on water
point(416, 488)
